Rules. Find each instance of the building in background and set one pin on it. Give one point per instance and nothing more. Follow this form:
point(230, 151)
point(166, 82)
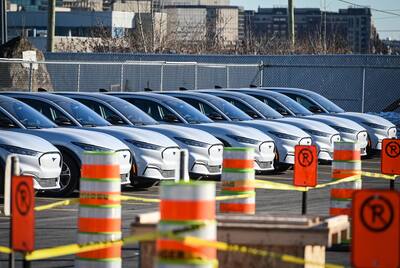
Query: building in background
point(352, 25)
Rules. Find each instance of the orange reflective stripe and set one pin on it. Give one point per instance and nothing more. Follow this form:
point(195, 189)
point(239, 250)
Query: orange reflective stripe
point(238, 163)
point(339, 211)
point(238, 189)
point(100, 171)
point(187, 210)
point(344, 173)
point(205, 252)
point(110, 252)
point(342, 193)
point(99, 225)
point(346, 155)
point(239, 208)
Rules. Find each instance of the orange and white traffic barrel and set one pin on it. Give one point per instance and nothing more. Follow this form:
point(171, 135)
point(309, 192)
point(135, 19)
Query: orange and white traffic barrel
point(238, 178)
point(187, 206)
point(100, 209)
point(346, 163)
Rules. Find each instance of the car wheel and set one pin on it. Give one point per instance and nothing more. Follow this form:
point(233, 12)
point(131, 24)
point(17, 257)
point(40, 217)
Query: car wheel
point(69, 177)
point(278, 166)
point(142, 184)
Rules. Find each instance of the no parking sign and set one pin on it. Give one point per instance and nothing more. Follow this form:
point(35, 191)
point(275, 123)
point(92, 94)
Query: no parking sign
point(305, 166)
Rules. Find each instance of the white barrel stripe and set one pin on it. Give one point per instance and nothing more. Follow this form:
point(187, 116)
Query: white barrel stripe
point(346, 165)
point(244, 155)
point(248, 200)
point(208, 231)
point(237, 176)
point(86, 238)
point(83, 263)
point(100, 187)
point(100, 212)
point(348, 185)
point(188, 192)
point(100, 159)
point(346, 146)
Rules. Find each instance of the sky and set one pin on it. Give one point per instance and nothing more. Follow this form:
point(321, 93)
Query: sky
point(388, 25)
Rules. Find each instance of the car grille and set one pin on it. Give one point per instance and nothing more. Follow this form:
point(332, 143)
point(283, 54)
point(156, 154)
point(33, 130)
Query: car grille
point(168, 173)
point(267, 164)
point(47, 183)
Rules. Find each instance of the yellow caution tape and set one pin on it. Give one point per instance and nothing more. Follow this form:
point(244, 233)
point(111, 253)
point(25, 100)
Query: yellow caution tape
point(379, 175)
point(130, 198)
point(279, 186)
point(5, 250)
point(230, 197)
point(57, 204)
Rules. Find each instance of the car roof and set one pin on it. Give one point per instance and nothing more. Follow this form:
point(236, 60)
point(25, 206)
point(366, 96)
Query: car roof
point(203, 95)
point(230, 93)
point(288, 89)
point(100, 96)
point(40, 95)
point(261, 92)
point(160, 97)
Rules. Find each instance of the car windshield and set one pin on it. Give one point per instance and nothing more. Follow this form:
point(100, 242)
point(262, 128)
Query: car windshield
point(132, 113)
point(26, 115)
point(261, 107)
point(229, 110)
point(292, 105)
point(188, 112)
point(84, 115)
point(324, 102)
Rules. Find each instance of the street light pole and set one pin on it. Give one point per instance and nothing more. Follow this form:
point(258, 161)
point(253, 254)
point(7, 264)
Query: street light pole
point(3, 21)
point(291, 22)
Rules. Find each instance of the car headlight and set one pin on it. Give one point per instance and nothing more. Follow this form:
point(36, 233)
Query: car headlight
point(192, 142)
point(344, 129)
point(284, 135)
point(145, 145)
point(19, 150)
point(90, 147)
point(373, 125)
point(243, 139)
point(317, 132)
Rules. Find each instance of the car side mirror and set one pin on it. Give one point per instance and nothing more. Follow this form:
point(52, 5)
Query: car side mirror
point(315, 109)
point(115, 120)
point(252, 114)
point(171, 118)
point(215, 116)
point(6, 122)
point(282, 111)
point(63, 121)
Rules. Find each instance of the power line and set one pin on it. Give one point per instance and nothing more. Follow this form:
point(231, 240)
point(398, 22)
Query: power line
point(374, 9)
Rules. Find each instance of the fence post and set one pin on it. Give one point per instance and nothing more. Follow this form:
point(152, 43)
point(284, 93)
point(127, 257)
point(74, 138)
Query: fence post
point(79, 77)
point(30, 76)
point(363, 92)
point(122, 78)
point(195, 75)
point(227, 76)
point(162, 77)
point(261, 68)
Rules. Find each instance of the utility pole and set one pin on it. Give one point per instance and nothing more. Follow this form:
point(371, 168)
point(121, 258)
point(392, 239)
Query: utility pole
point(51, 25)
point(291, 22)
point(3, 21)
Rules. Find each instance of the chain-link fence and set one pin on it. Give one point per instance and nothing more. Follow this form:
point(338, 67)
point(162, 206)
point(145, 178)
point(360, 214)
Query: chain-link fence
point(355, 87)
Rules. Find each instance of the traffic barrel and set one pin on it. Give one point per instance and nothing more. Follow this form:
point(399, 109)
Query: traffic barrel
point(346, 163)
point(188, 207)
point(100, 209)
point(238, 178)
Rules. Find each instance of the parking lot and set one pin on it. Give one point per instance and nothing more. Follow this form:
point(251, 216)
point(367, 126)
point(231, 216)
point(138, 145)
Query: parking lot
point(58, 226)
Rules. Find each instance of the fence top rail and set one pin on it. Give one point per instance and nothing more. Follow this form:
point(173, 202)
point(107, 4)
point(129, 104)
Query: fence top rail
point(183, 63)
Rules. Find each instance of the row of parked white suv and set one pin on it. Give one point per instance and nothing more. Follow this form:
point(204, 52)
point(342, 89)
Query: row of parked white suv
point(49, 132)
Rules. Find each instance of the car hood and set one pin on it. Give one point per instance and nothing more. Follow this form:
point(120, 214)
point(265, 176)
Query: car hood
point(223, 129)
point(361, 117)
point(268, 125)
point(184, 132)
point(67, 135)
point(137, 134)
point(308, 124)
point(27, 141)
point(337, 121)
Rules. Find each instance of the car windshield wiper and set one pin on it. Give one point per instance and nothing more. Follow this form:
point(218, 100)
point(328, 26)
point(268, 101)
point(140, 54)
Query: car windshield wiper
point(33, 127)
point(89, 125)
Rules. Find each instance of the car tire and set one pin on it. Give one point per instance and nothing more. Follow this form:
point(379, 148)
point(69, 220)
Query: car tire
point(142, 184)
point(69, 178)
